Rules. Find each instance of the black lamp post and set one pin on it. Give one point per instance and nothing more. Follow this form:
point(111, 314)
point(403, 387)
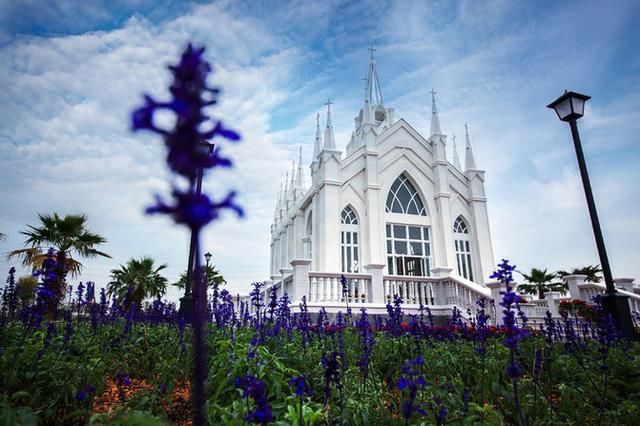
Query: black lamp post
point(207, 258)
point(570, 107)
point(186, 302)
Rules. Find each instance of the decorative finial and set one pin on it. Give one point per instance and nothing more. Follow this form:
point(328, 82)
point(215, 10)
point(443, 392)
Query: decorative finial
point(456, 158)
point(470, 161)
point(435, 120)
point(329, 142)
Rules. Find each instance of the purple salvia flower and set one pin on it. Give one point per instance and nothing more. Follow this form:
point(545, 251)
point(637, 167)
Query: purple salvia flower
point(256, 390)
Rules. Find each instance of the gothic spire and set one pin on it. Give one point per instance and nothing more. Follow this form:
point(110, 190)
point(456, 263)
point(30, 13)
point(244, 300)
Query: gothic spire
point(456, 158)
point(292, 180)
point(435, 121)
point(366, 109)
point(317, 146)
point(299, 175)
point(285, 194)
point(329, 142)
point(373, 93)
point(276, 216)
point(469, 160)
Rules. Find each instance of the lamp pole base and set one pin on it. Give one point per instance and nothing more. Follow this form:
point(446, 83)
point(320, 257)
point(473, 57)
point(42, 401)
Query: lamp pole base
point(186, 307)
point(617, 305)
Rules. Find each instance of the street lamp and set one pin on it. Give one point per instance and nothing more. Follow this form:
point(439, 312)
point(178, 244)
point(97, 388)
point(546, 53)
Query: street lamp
point(186, 302)
point(207, 258)
point(570, 107)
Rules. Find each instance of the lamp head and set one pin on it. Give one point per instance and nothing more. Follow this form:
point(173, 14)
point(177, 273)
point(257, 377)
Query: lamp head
point(569, 106)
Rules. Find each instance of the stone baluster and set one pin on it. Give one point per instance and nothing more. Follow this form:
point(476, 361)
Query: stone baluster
point(313, 289)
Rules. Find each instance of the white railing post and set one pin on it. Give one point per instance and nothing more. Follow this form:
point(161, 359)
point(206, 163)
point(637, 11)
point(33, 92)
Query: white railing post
point(551, 297)
point(625, 284)
point(300, 282)
point(376, 291)
point(443, 273)
point(573, 281)
point(496, 287)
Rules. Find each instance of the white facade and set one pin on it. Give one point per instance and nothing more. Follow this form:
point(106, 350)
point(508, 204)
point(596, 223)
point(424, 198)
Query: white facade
point(394, 217)
point(393, 202)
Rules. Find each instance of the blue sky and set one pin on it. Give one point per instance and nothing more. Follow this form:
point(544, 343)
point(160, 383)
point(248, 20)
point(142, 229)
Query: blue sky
point(71, 72)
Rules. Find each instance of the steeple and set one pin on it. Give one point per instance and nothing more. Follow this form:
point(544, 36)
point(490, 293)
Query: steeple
point(469, 160)
point(299, 176)
point(329, 142)
point(435, 121)
point(285, 195)
point(317, 145)
point(373, 94)
point(456, 158)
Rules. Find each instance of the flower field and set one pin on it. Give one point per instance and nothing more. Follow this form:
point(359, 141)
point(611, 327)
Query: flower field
point(93, 360)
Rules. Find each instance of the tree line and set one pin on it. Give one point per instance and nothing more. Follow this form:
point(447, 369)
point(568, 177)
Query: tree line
point(71, 240)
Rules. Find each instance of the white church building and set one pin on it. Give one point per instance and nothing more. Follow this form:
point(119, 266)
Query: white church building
point(393, 214)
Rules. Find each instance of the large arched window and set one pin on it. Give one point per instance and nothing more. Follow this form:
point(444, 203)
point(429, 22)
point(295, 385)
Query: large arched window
point(408, 242)
point(462, 244)
point(403, 198)
point(349, 240)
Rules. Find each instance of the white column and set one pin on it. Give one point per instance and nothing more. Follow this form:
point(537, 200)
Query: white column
point(572, 282)
point(300, 284)
point(551, 297)
point(376, 288)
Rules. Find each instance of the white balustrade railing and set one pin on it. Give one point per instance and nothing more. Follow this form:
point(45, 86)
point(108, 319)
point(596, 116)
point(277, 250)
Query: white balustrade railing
point(326, 287)
point(429, 291)
point(590, 290)
point(412, 290)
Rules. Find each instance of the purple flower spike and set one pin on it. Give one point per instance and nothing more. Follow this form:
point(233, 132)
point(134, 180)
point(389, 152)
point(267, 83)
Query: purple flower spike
point(194, 210)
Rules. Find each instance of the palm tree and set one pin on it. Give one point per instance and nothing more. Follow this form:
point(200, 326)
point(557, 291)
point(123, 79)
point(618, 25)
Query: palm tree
point(26, 289)
point(69, 237)
point(139, 277)
point(211, 273)
point(590, 271)
point(540, 281)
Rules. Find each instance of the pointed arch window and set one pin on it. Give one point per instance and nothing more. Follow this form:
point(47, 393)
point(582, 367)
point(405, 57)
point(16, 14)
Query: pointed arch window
point(462, 244)
point(308, 237)
point(403, 198)
point(349, 240)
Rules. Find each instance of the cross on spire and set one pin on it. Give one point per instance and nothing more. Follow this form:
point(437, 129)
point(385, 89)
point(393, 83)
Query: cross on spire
point(433, 92)
point(329, 103)
point(371, 49)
